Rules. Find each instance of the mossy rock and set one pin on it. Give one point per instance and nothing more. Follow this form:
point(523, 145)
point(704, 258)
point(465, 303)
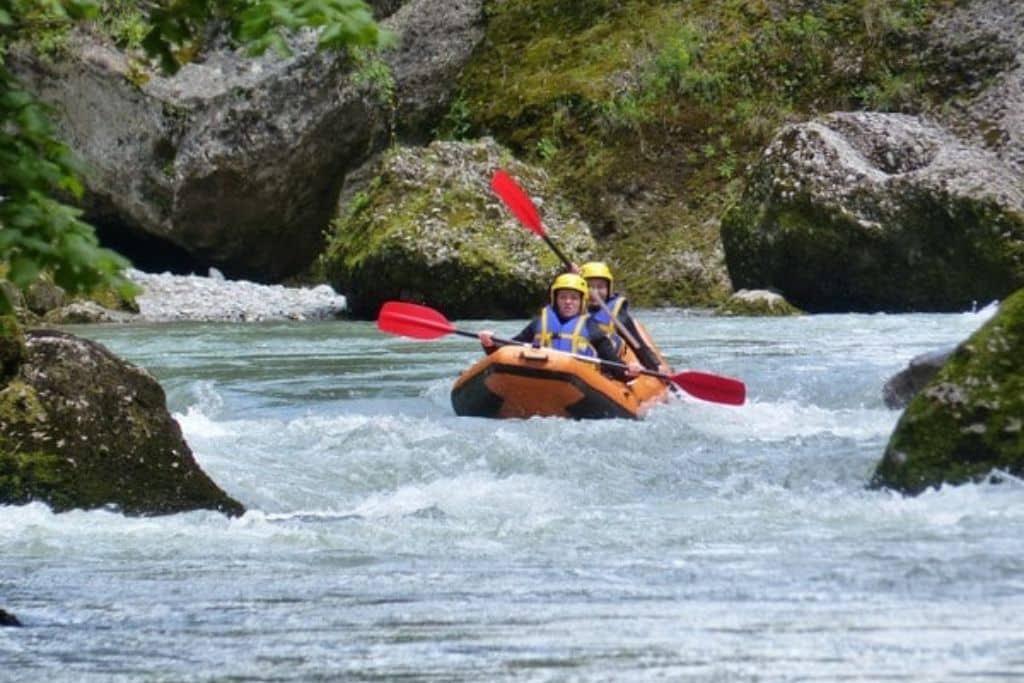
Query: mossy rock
point(80, 428)
point(428, 228)
point(757, 302)
point(868, 212)
point(969, 420)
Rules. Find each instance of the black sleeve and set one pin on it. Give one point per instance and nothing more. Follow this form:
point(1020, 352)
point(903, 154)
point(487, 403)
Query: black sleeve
point(526, 334)
point(605, 351)
point(645, 354)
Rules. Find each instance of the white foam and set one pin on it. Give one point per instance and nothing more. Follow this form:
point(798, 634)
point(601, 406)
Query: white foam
point(779, 421)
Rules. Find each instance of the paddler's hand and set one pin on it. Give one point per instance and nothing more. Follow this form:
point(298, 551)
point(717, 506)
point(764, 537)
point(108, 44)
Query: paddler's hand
point(486, 339)
point(633, 370)
point(574, 269)
point(664, 369)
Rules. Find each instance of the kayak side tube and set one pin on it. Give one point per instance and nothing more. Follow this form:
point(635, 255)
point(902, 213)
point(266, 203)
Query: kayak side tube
point(519, 382)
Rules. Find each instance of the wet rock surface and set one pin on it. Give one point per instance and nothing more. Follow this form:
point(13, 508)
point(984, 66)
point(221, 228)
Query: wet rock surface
point(80, 428)
point(968, 421)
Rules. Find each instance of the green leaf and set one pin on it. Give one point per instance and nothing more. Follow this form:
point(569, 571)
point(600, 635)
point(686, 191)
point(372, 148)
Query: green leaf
point(23, 271)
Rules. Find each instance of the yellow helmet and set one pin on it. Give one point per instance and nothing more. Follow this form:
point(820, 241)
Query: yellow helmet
point(597, 269)
point(570, 281)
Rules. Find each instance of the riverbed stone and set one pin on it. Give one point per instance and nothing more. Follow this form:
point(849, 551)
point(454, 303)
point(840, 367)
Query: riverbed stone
point(81, 428)
point(969, 420)
point(426, 227)
point(757, 302)
point(862, 211)
point(905, 384)
point(8, 619)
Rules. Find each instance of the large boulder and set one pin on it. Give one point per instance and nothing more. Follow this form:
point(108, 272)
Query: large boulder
point(238, 161)
point(978, 49)
point(969, 420)
point(867, 212)
point(428, 228)
point(80, 428)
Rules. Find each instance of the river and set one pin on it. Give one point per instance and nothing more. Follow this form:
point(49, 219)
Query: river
point(388, 539)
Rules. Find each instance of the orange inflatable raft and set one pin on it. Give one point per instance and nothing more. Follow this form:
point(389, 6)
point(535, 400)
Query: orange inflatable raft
point(522, 381)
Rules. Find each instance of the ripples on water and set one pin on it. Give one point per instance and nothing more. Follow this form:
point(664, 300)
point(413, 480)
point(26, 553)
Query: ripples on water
point(387, 538)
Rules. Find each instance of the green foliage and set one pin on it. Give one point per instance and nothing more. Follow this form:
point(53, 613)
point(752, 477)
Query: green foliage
point(38, 231)
point(23, 15)
point(125, 22)
point(374, 72)
point(457, 122)
point(547, 148)
point(261, 25)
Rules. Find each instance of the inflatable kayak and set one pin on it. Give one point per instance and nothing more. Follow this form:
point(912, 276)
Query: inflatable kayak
point(522, 381)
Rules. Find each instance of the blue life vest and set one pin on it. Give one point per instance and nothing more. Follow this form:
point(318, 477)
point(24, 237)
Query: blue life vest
point(570, 336)
point(614, 304)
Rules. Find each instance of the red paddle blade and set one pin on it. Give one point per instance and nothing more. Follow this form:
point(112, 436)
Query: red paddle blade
point(714, 388)
point(412, 320)
point(517, 201)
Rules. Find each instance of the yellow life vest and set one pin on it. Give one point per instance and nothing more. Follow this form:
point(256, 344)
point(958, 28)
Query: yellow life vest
point(570, 336)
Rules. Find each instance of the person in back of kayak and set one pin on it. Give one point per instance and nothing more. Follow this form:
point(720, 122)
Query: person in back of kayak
point(599, 284)
point(564, 325)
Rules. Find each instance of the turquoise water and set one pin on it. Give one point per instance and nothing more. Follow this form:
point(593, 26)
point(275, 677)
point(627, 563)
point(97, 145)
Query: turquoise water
point(388, 539)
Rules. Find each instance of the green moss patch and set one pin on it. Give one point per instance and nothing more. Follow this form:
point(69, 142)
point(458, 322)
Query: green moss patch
point(429, 229)
point(646, 112)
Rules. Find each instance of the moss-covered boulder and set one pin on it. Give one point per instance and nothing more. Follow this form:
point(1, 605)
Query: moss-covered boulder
point(427, 228)
point(81, 428)
point(867, 212)
point(969, 419)
point(757, 302)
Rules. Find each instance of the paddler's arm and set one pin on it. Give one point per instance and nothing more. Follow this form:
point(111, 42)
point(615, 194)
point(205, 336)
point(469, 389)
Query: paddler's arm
point(606, 351)
point(645, 353)
point(486, 338)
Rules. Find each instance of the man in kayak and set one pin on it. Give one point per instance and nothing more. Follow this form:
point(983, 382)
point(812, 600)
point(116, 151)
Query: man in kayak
point(599, 283)
point(563, 325)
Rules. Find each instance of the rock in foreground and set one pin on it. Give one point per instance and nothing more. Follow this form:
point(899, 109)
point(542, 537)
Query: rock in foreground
point(969, 419)
point(80, 428)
